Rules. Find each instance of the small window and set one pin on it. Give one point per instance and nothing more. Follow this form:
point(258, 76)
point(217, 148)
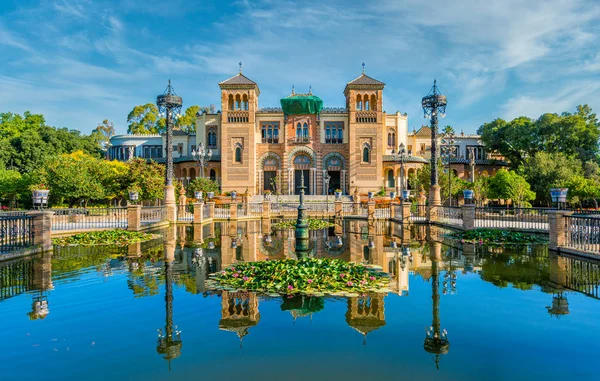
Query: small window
point(238, 154)
point(366, 156)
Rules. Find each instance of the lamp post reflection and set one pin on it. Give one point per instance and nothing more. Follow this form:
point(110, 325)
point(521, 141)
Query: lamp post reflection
point(436, 339)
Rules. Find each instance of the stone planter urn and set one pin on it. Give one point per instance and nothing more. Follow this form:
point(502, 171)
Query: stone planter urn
point(40, 197)
point(211, 195)
point(393, 195)
point(233, 195)
point(371, 195)
point(198, 195)
point(405, 194)
point(338, 194)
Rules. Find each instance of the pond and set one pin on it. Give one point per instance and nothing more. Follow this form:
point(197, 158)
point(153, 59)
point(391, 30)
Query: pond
point(455, 311)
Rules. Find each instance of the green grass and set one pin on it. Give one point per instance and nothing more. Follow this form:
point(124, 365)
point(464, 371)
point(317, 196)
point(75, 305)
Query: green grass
point(313, 224)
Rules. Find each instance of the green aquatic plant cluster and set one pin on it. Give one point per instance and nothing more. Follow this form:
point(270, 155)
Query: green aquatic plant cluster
point(499, 237)
point(105, 237)
point(313, 224)
point(313, 276)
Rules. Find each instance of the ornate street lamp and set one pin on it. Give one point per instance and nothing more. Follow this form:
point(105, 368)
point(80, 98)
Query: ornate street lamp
point(202, 156)
point(401, 157)
point(434, 107)
point(449, 151)
point(472, 163)
point(169, 106)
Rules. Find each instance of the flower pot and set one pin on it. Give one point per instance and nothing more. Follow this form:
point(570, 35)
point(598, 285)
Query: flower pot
point(393, 195)
point(40, 196)
point(405, 194)
point(370, 195)
point(468, 194)
point(338, 195)
point(267, 196)
point(198, 195)
point(210, 195)
point(233, 195)
point(134, 196)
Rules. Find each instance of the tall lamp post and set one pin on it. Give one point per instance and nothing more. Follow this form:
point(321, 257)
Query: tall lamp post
point(472, 163)
point(202, 156)
point(326, 179)
point(169, 106)
point(434, 107)
point(449, 151)
point(401, 157)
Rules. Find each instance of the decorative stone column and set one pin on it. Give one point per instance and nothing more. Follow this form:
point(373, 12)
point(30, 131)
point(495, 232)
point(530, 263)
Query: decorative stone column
point(557, 228)
point(266, 209)
point(198, 211)
point(182, 198)
point(371, 209)
point(134, 217)
point(343, 182)
point(468, 213)
point(42, 229)
point(260, 182)
point(338, 208)
point(211, 211)
point(233, 211)
point(170, 204)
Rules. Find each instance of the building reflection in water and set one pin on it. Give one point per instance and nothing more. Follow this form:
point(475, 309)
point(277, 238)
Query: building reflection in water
point(239, 312)
point(366, 313)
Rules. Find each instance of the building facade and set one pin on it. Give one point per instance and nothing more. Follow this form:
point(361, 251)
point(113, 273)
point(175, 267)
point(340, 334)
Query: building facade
point(274, 148)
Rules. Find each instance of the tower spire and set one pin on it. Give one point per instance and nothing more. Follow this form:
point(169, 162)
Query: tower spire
point(363, 68)
point(240, 67)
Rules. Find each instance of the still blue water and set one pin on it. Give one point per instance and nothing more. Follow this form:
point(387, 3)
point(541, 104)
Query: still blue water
point(104, 313)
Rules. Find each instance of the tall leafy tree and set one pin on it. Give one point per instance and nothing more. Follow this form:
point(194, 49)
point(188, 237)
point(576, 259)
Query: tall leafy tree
point(143, 119)
point(103, 132)
point(509, 185)
point(549, 170)
point(147, 177)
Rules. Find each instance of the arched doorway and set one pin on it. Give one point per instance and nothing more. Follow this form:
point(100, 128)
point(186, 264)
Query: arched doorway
point(192, 173)
point(334, 165)
point(302, 169)
point(213, 175)
point(390, 179)
point(270, 167)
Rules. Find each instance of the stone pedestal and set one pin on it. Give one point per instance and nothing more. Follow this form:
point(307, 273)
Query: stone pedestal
point(134, 217)
point(338, 208)
point(371, 209)
point(468, 212)
point(182, 198)
point(233, 211)
point(211, 211)
point(557, 228)
point(266, 209)
point(42, 229)
point(405, 212)
point(170, 204)
point(198, 211)
point(435, 196)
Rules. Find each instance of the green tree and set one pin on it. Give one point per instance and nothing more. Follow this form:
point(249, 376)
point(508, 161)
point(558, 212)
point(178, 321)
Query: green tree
point(583, 189)
point(143, 119)
point(508, 185)
point(481, 189)
point(148, 177)
point(448, 130)
point(574, 134)
point(202, 184)
point(187, 122)
point(103, 132)
point(73, 177)
point(422, 177)
point(10, 185)
point(550, 170)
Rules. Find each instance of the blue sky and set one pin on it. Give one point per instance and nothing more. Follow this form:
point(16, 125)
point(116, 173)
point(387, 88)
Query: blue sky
point(81, 61)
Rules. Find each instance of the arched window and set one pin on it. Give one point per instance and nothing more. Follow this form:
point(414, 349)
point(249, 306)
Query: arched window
point(393, 139)
point(245, 102)
point(299, 130)
point(238, 154)
point(422, 149)
point(366, 103)
point(359, 102)
point(390, 179)
point(231, 101)
point(238, 102)
point(373, 102)
point(270, 132)
point(366, 154)
point(212, 138)
point(305, 130)
point(213, 175)
point(390, 139)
